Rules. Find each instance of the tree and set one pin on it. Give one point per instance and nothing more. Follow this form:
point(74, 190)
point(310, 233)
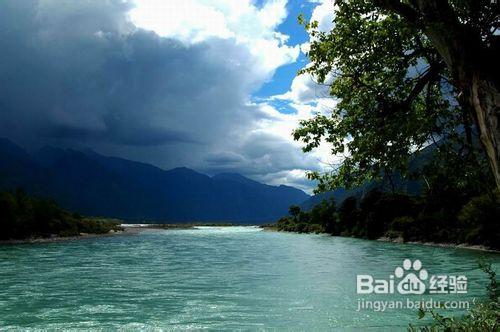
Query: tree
point(406, 73)
point(349, 214)
point(294, 211)
point(23, 216)
point(325, 214)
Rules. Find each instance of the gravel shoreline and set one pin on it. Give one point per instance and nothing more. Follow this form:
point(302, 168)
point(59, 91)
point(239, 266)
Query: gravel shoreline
point(130, 229)
point(125, 231)
point(437, 244)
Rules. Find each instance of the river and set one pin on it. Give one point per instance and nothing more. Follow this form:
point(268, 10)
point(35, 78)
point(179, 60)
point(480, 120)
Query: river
point(221, 278)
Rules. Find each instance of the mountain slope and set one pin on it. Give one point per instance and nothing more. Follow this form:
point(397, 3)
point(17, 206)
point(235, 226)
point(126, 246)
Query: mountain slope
point(93, 184)
point(412, 187)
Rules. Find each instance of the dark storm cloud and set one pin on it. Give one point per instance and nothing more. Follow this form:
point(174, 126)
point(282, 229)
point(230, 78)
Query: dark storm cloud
point(150, 136)
point(79, 73)
point(75, 70)
point(224, 158)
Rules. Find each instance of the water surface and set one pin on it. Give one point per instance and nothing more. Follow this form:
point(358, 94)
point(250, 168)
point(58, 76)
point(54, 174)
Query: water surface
point(214, 278)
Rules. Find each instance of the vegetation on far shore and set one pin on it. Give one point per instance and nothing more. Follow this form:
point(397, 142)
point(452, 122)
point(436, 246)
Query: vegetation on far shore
point(445, 218)
point(24, 217)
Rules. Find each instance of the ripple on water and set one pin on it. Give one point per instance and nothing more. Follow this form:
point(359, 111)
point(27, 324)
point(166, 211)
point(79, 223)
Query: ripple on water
point(208, 277)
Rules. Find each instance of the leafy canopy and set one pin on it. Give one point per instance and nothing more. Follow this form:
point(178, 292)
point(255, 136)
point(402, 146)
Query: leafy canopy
point(393, 90)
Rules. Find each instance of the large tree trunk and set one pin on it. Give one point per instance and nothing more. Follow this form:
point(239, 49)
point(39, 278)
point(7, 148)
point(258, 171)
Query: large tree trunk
point(473, 64)
point(485, 98)
point(473, 72)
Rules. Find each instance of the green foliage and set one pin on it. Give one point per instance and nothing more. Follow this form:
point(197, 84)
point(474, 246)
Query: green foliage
point(322, 218)
point(376, 212)
point(439, 216)
point(294, 210)
point(492, 288)
point(454, 167)
point(478, 220)
point(348, 215)
point(22, 216)
point(485, 316)
point(369, 56)
point(394, 97)
point(404, 227)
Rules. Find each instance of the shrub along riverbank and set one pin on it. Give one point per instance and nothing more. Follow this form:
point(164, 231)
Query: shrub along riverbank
point(484, 316)
point(450, 217)
point(24, 217)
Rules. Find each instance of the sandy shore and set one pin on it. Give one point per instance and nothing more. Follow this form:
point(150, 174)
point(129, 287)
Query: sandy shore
point(125, 231)
point(138, 227)
point(399, 240)
point(437, 244)
point(269, 228)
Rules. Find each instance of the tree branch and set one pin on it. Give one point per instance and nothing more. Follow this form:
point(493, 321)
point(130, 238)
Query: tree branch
point(430, 75)
point(396, 6)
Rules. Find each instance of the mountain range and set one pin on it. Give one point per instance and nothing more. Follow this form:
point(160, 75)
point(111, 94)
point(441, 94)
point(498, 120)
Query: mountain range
point(387, 183)
point(92, 184)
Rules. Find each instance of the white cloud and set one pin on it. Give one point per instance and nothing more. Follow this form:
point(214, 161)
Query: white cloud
point(323, 14)
point(295, 177)
point(307, 97)
point(305, 90)
point(282, 125)
point(193, 21)
point(187, 20)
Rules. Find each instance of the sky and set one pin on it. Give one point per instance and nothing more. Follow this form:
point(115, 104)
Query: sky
point(206, 84)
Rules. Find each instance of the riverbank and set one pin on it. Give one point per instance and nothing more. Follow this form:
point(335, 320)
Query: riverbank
point(51, 239)
point(398, 240)
point(442, 245)
point(177, 226)
point(126, 229)
point(270, 228)
point(123, 229)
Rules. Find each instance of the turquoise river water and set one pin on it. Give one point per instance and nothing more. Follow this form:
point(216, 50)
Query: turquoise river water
point(227, 278)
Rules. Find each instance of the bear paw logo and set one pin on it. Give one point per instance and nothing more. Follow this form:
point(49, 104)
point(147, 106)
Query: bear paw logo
point(411, 283)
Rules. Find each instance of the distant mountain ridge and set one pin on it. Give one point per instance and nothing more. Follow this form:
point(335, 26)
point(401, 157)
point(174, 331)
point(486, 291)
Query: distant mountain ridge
point(98, 185)
point(411, 187)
